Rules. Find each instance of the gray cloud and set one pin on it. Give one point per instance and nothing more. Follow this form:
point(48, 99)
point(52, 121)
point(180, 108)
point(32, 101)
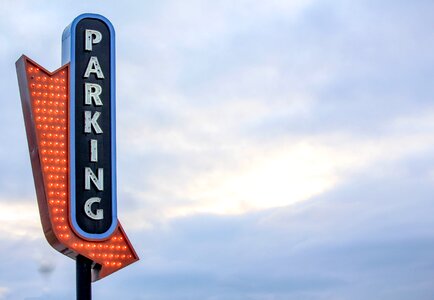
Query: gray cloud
point(202, 86)
point(361, 241)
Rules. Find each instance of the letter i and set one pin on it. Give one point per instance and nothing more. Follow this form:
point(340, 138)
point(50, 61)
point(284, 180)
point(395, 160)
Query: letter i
point(93, 150)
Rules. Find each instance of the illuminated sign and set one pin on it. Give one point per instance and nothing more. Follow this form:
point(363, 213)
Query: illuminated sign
point(70, 124)
point(89, 48)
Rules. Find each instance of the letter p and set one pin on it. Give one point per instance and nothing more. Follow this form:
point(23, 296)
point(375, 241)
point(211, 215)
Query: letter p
point(92, 37)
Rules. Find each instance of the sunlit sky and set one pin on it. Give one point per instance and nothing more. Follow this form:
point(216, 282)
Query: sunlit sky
point(270, 150)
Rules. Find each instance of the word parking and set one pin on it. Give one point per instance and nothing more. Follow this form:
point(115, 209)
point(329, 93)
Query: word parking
point(93, 197)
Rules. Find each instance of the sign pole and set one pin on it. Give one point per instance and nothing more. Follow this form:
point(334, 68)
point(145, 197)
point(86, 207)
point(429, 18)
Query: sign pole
point(83, 269)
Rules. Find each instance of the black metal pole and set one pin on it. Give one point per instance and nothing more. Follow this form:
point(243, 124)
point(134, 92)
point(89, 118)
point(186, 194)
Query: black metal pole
point(83, 269)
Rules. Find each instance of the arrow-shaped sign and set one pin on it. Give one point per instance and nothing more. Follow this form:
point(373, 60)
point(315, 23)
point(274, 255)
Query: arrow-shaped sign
point(76, 222)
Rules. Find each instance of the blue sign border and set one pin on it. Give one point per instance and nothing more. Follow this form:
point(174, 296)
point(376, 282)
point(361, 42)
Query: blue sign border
point(68, 56)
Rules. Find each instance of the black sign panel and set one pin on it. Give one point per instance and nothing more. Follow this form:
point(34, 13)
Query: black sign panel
point(93, 131)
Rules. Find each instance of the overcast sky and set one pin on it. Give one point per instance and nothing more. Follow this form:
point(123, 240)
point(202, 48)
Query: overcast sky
point(270, 150)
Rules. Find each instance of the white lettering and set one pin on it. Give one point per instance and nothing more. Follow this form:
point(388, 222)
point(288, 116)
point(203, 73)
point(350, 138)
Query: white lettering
point(92, 37)
point(93, 67)
point(92, 92)
point(93, 150)
point(91, 121)
point(88, 209)
point(97, 181)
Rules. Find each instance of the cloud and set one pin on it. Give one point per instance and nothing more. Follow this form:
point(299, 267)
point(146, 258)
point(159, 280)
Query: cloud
point(229, 177)
point(308, 98)
point(361, 240)
point(19, 219)
point(267, 150)
point(3, 292)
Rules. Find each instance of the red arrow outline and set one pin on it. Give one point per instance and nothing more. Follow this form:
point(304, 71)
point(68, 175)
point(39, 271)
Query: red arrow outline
point(44, 93)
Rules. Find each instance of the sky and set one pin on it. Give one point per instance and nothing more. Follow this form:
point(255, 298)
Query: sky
point(267, 150)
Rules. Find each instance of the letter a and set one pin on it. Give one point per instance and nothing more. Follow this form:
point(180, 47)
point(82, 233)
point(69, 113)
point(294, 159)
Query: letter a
point(93, 67)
